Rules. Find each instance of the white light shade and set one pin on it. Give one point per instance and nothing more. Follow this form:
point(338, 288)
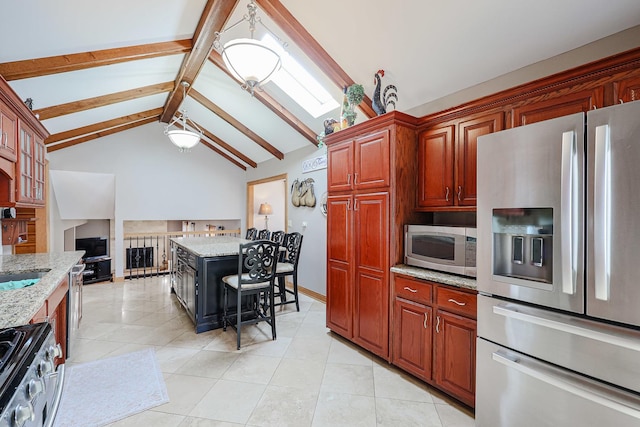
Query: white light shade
point(251, 61)
point(183, 139)
point(265, 209)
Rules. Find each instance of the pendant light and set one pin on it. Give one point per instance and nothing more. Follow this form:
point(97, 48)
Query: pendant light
point(184, 138)
point(250, 61)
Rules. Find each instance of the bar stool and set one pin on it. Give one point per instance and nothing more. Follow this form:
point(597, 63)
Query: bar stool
point(288, 266)
point(257, 264)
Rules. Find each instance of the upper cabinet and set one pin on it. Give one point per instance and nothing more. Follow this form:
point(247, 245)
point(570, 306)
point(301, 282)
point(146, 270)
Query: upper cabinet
point(8, 132)
point(360, 163)
point(580, 101)
point(22, 152)
point(447, 163)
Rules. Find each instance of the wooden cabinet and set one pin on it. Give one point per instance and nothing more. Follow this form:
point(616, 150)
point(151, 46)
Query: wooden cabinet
point(30, 168)
point(360, 163)
point(371, 169)
point(435, 339)
point(559, 106)
point(8, 132)
point(54, 311)
point(14, 231)
point(447, 163)
point(627, 90)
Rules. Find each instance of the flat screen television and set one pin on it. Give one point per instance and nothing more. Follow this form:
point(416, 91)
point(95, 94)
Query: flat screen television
point(94, 247)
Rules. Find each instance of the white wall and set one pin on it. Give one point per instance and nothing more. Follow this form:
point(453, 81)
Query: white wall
point(313, 256)
point(154, 181)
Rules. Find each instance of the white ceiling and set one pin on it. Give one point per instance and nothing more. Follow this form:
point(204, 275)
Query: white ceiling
point(428, 49)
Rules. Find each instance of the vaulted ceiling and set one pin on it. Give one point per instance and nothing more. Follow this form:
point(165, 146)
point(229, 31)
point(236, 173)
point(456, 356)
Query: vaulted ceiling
point(98, 68)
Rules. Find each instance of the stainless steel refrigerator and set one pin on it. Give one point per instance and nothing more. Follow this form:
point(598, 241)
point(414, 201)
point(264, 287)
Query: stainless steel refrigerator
point(558, 271)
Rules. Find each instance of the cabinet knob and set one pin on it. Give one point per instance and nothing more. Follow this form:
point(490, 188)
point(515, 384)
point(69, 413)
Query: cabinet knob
point(438, 324)
point(456, 302)
point(446, 196)
point(459, 192)
point(424, 324)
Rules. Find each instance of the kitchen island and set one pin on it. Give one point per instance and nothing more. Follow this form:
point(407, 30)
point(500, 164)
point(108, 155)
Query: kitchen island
point(199, 264)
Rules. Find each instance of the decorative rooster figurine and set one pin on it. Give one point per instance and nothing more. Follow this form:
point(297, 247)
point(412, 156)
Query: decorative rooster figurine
point(380, 105)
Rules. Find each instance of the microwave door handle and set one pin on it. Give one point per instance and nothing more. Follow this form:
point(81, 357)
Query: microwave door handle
point(569, 212)
point(602, 212)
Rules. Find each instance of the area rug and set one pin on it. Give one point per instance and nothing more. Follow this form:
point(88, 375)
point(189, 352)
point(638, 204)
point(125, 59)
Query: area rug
point(103, 391)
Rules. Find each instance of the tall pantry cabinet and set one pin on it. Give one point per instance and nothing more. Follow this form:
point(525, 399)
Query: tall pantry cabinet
point(371, 185)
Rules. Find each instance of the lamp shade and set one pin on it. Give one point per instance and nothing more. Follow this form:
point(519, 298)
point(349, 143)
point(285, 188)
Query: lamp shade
point(265, 209)
point(251, 61)
point(183, 139)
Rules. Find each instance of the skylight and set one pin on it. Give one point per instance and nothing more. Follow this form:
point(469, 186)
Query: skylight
point(296, 82)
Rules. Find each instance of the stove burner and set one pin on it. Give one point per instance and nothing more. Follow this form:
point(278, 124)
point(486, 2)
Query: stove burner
point(9, 339)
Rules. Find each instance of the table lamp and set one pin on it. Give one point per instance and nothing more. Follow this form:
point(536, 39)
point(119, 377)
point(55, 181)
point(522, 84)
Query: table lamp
point(265, 209)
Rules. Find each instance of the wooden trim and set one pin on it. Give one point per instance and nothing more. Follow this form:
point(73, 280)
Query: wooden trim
point(100, 134)
point(214, 16)
point(101, 101)
point(13, 101)
point(360, 129)
point(98, 127)
point(236, 124)
point(586, 74)
point(250, 196)
point(270, 103)
point(282, 176)
point(308, 292)
point(301, 37)
point(223, 154)
point(79, 61)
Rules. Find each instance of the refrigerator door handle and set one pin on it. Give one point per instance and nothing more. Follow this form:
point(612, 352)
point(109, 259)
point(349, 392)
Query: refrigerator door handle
point(574, 328)
point(602, 212)
point(569, 204)
point(569, 383)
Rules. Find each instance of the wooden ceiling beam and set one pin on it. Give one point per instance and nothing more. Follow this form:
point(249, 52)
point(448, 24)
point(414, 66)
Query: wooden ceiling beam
point(214, 16)
point(99, 127)
point(271, 104)
point(79, 61)
point(99, 134)
point(301, 37)
point(223, 144)
point(223, 154)
point(101, 101)
point(236, 124)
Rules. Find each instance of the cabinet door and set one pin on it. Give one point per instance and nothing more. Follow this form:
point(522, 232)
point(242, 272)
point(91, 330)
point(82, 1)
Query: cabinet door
point(466, 153)
point(340, 264)
point(455, 369)
point(8, 133)
point(582, 101)
point(340, 166)
point(25, 185)
point(412, 335)
point(371, 167)
point(39, 151)
point(371, 293)
point(435, 167)
point(627, 90)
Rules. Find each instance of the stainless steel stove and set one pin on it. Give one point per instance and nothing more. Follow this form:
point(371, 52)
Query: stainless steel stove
point(30, 382)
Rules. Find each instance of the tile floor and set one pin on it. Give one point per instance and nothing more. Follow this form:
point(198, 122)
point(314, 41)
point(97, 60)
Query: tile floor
point(309, 376)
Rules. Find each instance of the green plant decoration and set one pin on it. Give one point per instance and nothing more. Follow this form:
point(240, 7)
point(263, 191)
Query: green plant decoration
point(355, 94)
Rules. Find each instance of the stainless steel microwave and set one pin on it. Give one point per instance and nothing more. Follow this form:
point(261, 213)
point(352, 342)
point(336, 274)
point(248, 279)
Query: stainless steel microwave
point(448, 249)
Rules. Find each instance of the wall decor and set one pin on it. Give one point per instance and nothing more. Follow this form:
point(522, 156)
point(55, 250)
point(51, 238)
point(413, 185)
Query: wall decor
point(323, 203)
point(316, 163)
point(389, 96)
point(302, 193)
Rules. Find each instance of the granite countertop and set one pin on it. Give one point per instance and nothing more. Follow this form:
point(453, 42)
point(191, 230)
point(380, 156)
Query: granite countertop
point(211, 246)
point(18, 306)
point(436, 276)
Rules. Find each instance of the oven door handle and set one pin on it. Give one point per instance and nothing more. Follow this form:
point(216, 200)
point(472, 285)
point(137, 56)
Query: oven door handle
point(573, 329)
point(569, 383)
point(59, 374)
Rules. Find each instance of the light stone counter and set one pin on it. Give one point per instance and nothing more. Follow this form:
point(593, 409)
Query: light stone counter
point(435, 276)
point(211, 246)
point(18, 306)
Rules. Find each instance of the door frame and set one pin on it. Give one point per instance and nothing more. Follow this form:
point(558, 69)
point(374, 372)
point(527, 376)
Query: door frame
point(250, 196)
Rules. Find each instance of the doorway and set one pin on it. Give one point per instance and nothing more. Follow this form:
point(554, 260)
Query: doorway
point(272, 190)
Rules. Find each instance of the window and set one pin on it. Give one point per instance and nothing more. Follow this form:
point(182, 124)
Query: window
point(296, 82)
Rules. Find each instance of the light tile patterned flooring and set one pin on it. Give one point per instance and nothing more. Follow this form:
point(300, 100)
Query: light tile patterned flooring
point(309, 376)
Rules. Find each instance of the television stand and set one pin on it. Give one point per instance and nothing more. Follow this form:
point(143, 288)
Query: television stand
point(97, 270)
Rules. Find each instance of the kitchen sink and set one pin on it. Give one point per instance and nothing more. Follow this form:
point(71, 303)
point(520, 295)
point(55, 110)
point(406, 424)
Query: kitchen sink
point(20, 280)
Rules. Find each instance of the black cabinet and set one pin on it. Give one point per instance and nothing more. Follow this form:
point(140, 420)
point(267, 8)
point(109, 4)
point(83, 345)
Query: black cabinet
point(97, 270)
point(197, 283)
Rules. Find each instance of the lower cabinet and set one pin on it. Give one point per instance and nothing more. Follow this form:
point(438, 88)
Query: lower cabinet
point(434, 334)
point(54, 311)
